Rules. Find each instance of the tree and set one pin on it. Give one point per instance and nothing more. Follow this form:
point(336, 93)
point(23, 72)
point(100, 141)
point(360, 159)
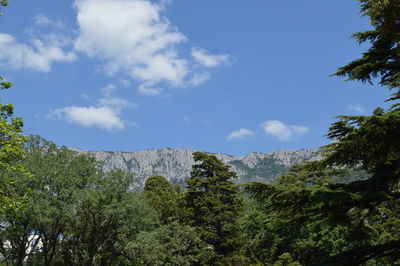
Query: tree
point(77, 215)
point(163, 196)
point(3, 3)
point(11, 149)
point(169, 244)
point(381, 61)
point(372, 141)
point(294, 216)
point(213, 204)
point(360, 219)
point(366, 209)
point(108, 217)
point(59, 174)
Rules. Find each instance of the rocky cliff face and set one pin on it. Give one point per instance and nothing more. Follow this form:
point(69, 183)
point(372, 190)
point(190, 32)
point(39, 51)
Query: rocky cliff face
point(175, 164)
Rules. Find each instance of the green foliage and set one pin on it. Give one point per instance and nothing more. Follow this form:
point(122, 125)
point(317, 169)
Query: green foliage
point(59, 174)
point(108, 219)
point(315, 214)
point(78, 214)
point(3, 3)
point(372, 141)
point(354, 143)
point(163, 196)
point(286, 260)
point(314, 219)
point(289, 219)
point(381, 61)
point(171, 244)
point(310, 174)
point(265, 170)
point(321, 221)
point(379, 155)
point(11, 151)
point(212, 203)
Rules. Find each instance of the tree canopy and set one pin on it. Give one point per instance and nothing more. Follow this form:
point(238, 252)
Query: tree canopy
point(213, 204)
point(11, 149)
point(381, 61)
point(361, 211)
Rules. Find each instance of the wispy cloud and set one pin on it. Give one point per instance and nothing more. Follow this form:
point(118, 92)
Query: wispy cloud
point(38, 56)
point(109, 100)
point(42, 20)
point(282, 131)
point(187, 119)
point(105, 114)
point(206, 59)
point(199, 78)
point(240, 134)
point(356, 108)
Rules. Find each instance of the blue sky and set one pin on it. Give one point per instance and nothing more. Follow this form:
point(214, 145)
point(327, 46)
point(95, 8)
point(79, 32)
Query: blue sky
point(218, 76)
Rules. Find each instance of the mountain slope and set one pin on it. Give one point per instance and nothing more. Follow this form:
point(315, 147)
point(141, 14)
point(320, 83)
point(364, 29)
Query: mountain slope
point(175, 164)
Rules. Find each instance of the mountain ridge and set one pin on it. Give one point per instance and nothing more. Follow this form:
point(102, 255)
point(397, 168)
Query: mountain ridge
point(175, 164)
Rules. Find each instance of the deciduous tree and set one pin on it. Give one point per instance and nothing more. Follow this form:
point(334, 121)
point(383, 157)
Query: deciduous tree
point(11, 149)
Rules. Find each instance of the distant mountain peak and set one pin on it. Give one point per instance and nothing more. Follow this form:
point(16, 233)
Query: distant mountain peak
point(175, 164)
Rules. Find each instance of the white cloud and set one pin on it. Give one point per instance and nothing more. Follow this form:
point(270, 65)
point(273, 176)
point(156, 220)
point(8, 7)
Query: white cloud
point(104, 115)
point(116, 102)
point(38, 56)
point(130, 37)
point(356, 108)
point(86, 96)
point(125, 82)
point(139, 42)
point(107, 90)
point(283, 132)
point(42, 20)
point(240, 134)
point(206, 59)
point(164, 3)
point(199, 78)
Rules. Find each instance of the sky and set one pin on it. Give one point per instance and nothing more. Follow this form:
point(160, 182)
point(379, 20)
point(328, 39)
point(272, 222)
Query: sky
point(220, 76)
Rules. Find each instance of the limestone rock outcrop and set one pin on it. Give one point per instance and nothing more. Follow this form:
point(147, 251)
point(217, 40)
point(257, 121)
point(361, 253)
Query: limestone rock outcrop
point(175, 164)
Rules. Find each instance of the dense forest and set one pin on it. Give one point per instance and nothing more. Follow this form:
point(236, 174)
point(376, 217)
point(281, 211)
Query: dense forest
point(57, 207)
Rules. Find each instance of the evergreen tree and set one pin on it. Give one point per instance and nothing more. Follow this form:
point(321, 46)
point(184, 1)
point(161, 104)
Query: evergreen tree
point(366, 212)
point(213, 204)
point(381, 61)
